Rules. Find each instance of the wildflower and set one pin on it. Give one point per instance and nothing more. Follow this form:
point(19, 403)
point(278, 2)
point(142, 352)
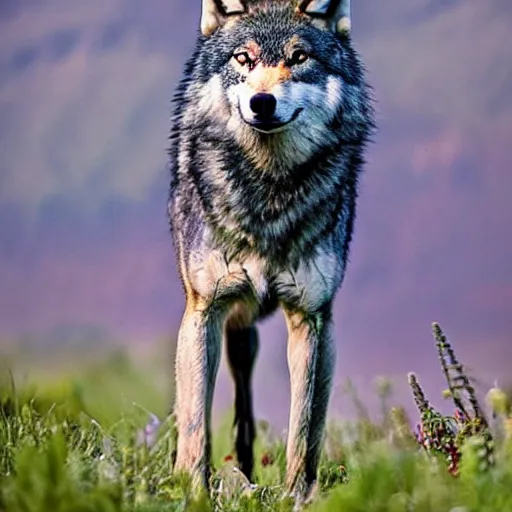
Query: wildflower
point(460, 417)
point(443, 435)
point(266, 459)
point(148, 435)
point(453, 459)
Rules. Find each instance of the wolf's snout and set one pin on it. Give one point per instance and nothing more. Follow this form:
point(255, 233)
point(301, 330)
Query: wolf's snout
point(263, 105)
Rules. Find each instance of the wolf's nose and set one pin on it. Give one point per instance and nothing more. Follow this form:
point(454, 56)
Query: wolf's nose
point(263, 105)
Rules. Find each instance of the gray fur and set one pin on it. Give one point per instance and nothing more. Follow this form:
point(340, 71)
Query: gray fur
point(262, 219)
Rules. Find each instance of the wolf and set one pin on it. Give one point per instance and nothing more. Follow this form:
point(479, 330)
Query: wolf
point(270, 123)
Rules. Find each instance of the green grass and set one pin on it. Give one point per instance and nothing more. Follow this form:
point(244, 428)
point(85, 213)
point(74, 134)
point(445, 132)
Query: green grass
point(75, 445)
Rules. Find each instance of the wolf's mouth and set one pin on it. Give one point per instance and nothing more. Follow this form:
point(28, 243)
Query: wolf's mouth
point(271, 126)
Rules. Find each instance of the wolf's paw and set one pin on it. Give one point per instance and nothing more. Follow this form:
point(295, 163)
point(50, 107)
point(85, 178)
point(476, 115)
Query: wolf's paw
point(302, 494)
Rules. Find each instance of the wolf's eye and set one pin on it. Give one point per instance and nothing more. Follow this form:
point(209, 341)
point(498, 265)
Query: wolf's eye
point(298, 57)
point(242, 58)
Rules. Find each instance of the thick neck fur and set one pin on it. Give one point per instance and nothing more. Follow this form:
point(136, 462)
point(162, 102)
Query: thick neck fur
point(275, 207)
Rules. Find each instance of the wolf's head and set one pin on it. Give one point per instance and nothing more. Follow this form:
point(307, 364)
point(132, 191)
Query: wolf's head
point(271, 70)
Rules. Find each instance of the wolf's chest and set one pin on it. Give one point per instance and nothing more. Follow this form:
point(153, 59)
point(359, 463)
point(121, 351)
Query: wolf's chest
point(252, 279)
point(283, 232)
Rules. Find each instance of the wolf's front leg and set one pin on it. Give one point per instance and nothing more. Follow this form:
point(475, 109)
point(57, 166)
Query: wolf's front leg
point(197, 363)
point(311, 355)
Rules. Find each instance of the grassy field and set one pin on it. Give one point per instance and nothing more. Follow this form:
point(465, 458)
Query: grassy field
point(73, 445)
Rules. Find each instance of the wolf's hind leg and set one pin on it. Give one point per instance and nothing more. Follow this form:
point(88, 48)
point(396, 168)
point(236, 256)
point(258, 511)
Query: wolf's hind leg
point(197, 363)
point(242, 348)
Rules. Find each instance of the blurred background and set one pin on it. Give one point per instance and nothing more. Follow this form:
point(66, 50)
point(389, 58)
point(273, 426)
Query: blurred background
point(86, 262)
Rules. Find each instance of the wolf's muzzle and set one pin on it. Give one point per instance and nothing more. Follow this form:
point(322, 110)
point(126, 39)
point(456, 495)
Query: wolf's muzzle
point(264, 106)
point(273, 124)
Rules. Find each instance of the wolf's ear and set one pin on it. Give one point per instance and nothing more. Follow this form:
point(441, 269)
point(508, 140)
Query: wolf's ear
point(216, 13)
point(328, 14)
